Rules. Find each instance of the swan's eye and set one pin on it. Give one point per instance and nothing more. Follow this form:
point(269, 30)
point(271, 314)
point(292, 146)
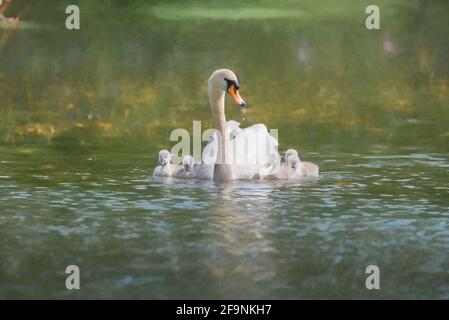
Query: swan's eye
point(230, 83)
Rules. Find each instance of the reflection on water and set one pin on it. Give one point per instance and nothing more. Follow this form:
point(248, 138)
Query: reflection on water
point(137, 236)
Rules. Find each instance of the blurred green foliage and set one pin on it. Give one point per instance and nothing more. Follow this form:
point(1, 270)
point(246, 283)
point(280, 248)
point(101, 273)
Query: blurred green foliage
point(137, 70)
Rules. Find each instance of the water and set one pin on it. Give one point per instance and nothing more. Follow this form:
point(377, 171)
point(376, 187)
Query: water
point(84, 113)
point(135, 236)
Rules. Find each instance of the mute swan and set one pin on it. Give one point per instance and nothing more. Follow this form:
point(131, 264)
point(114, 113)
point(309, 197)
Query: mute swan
point(235, 153)
point(165, 168)
point(232, 152)
point(188, 164)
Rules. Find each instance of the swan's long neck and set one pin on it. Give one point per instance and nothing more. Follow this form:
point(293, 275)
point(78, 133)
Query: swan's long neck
point(223, 168)
point(217, 107)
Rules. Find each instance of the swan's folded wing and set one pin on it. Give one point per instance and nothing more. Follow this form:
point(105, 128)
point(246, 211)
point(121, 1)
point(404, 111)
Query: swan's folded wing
point(252, 150)
point(254, 146)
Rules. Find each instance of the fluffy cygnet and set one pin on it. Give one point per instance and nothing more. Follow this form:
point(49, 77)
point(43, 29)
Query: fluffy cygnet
point(188, 164)
point(165, 167)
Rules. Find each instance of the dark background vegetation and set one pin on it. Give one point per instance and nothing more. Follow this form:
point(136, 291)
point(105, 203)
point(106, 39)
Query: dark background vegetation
point(138, 69)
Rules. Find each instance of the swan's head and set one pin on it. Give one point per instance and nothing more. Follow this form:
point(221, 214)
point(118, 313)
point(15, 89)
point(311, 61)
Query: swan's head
point(188, 162)
point(292, 158)
point(226, 80)
point(164, 157)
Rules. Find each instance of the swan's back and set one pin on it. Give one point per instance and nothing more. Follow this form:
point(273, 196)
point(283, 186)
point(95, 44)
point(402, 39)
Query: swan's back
point(251, 149)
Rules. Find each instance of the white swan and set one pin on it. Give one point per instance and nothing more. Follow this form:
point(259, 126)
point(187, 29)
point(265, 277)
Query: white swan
point(165, 168)
point(232, 152)
point(235, 153)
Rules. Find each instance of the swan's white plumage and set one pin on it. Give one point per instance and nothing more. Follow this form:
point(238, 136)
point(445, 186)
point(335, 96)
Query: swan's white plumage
point(252, 150)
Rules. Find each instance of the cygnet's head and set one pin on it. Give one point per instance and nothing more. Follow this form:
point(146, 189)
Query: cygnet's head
point(290, 152)
point(294, 161)
point(292, 158)
point(226, 80)
point(164, 157)
point(187, 163)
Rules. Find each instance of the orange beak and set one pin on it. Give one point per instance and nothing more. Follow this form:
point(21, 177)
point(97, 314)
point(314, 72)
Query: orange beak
point(234, 93)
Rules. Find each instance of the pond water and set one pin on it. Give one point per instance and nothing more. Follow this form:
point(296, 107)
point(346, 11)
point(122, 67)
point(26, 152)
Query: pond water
point(135, 236)
point(84, 114)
